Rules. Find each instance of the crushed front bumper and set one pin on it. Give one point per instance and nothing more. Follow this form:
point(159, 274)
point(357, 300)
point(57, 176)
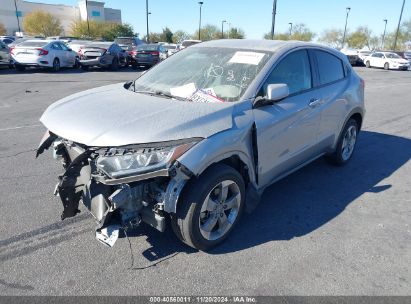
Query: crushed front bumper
point(114, 204)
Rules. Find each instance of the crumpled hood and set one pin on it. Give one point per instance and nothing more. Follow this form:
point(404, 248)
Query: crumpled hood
point(114, 116)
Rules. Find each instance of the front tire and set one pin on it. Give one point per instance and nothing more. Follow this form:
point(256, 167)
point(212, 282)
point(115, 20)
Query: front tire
point(20, 68)
point(210, 207)
point(386, 66)
point(114, 64)
point(346, 144)
point(367, 64)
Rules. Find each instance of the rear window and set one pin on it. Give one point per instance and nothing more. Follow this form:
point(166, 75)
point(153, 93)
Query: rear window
point(125, 41)
point(98, 45)
point(189, 43)
point(330, 67)
point(148, 47)
point(33, 44)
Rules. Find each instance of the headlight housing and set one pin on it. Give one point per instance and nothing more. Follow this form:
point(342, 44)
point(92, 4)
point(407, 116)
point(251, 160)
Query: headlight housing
point(126, 162)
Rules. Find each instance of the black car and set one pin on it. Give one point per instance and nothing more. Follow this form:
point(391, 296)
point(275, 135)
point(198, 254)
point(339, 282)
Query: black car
point(148, 55)
point(103, 54)
point(130, 44)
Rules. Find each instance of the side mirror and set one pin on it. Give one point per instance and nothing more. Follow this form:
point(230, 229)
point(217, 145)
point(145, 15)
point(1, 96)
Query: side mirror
point(275, 92)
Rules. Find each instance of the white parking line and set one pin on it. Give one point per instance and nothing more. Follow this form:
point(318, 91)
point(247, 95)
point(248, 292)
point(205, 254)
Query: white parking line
point(20, 127)
point(5, 105)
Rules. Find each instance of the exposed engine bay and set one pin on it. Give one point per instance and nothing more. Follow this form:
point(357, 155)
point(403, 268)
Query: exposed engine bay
point(115, 202)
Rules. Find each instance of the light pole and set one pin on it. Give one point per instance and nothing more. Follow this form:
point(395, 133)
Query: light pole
point(345, 28)
point(291, 27)
point(398, 27)
point(222, 28)
point(273, 21)
point(17, 16)
point(88, 23)
point(199, 25)
point(147, 13)
point(383, 35)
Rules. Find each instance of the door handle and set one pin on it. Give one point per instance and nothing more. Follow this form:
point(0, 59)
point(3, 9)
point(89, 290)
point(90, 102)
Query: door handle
point(315, 102)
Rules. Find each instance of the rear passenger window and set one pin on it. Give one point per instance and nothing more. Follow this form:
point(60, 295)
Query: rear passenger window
point(294, 70)
point(330, 67)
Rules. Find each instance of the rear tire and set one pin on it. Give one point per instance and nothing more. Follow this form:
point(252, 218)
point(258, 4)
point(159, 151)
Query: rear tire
point(209, 207)
point(85, 67)
point(367, 64)
point(76, 63)
point(346, 144)
point(56, 65)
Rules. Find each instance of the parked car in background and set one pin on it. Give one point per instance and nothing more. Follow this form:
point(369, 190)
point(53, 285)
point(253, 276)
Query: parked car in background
point(361, 56)
point(352, 55)
point(103, 54)
point(386, 60)
point(7, 39)
point(43, 53)
point(405, 55)
point(200, 136)
point(130, 44)
point(5, 58)
point(76, 45)
point(150, 54)
point(189, 42)
point(171, 48)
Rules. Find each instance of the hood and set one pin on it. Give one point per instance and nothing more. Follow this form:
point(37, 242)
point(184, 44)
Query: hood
point(114, 116)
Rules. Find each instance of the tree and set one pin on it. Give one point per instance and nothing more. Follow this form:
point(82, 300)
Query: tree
point(2, 29)
point(167, 35)
point(114, 30)
point(179, 36)
point(80, 29)
point(300, 32)
point(236, 33)
point(360, 38)
point(42, 23)
point(208, 32)
point(332, 37)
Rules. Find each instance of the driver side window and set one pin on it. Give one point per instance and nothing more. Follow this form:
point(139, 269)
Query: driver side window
point(294, 70)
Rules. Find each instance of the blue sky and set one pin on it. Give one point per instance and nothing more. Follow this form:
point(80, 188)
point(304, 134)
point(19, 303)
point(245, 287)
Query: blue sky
point(254, 16)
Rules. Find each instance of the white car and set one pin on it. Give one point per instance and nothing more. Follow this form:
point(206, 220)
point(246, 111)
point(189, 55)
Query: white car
point(43, 53)
point(362, 54)
point(386, 60)
point(171, 48)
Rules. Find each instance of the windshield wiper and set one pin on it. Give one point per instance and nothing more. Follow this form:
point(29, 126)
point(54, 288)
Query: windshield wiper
point(162, 94)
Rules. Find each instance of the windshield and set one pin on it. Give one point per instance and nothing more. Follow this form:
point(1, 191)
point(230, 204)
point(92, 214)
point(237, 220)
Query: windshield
point(204, 74)
point(392, 55)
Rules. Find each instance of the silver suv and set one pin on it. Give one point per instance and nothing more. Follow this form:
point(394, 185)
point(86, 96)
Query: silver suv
point(199, 137)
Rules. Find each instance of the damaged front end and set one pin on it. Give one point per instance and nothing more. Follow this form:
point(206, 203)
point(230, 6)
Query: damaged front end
point(121, 187)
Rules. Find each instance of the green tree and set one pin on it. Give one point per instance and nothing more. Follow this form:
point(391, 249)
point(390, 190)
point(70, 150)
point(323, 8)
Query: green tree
point(332, 37)
point(114, 30)
point(2, 29)
point(236, 33)
point(42, 23)
point(167, 35)
point(208, 32)
point(80, 29)
point(300, 32)
point(179, 36)
point(361, 37)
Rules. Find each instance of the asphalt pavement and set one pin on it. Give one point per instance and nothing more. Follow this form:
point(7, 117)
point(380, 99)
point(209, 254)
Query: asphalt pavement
point(321, 231)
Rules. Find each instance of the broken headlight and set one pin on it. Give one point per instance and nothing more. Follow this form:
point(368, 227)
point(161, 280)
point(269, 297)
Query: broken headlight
point(131, 162)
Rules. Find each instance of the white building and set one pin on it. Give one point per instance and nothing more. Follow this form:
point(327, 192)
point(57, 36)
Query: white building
point(10, 16)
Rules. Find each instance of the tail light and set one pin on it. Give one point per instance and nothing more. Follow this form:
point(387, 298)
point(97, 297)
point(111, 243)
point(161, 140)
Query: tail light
point(12, 50)
point(156, 54)
point(43, 52)
point(133, 53)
